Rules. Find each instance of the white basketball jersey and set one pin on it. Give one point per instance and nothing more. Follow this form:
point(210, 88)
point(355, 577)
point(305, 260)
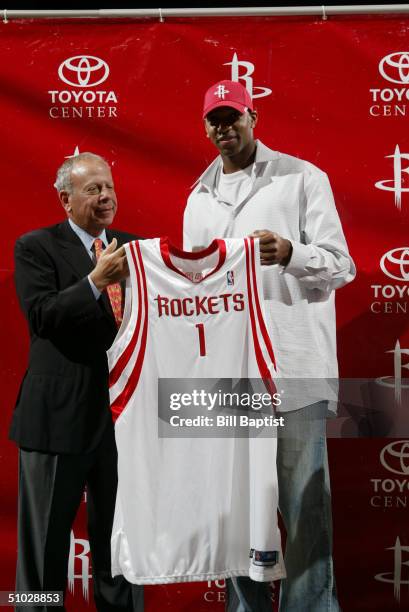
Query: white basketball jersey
point(191, 509)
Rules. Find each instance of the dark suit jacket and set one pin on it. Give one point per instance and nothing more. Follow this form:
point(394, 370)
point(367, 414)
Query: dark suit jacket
point(63, 403)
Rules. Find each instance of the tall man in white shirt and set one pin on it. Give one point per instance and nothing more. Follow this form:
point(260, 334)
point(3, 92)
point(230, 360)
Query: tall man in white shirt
point(288, 204)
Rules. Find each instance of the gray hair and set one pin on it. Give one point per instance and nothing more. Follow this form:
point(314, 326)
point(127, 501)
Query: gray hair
point(63, 179)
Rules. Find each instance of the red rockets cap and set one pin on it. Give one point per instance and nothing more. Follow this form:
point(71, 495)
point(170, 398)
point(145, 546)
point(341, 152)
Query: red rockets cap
point(227, 93)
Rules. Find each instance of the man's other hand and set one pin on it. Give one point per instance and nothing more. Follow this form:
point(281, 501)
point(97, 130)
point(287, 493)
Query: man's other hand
point(273, 248)
point(111, 267)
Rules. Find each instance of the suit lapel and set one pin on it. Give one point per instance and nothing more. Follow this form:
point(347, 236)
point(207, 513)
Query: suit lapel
point(73, 251)
point(75, 254)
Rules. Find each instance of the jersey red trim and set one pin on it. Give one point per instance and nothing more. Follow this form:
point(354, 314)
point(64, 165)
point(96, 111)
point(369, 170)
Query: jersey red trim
point(168, 249)
point(119, 404)
point(261, 362)
point(260, 316)
point(129, 349)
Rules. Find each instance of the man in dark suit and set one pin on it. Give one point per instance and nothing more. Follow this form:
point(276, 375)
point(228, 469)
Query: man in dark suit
point(62, 421)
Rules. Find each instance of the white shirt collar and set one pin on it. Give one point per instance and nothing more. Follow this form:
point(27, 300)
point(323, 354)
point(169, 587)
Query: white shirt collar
point(86, 239)
point(263, 155)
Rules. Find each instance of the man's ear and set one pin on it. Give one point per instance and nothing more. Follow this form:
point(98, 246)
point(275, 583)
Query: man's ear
point(64, 197)
point(254, 117)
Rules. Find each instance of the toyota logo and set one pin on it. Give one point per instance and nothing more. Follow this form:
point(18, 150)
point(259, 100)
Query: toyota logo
point(395, 65)
point(83, 71)
point(395, 457)
point(395, 264)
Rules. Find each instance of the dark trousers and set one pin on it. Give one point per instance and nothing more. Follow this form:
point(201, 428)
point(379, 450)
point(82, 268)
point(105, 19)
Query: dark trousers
point(50, 491)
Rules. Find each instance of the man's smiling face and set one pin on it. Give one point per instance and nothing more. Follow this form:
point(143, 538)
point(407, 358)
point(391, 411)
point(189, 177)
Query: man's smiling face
point(231, 131)
point(91, 203)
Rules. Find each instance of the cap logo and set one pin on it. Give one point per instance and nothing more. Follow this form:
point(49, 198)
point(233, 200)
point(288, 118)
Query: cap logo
point(221, 91)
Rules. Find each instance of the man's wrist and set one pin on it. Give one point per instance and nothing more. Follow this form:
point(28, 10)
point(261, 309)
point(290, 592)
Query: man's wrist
point(94, 288)
point(286, 260)
point(98, 283)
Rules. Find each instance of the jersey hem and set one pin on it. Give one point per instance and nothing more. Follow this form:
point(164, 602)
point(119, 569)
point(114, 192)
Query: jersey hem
point(275, 575)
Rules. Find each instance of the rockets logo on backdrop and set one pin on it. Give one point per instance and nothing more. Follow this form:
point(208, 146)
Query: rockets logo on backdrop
point(399, 574)
point(81, 95)
point(399, 183)
point(397, 382)
point(244, 76)
point(79, 565)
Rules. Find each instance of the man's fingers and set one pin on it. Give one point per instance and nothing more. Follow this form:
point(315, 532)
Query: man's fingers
point(268, 254)
point(111, 246)
point(112, 251)
point(269, 238)
point(268, 247)
point(259, 233)
point(265, 237)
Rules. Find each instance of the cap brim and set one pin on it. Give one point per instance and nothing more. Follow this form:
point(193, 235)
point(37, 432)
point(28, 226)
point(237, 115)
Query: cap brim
point(240, 107)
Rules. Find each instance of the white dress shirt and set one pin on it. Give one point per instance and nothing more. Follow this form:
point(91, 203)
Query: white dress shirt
point(293, 198)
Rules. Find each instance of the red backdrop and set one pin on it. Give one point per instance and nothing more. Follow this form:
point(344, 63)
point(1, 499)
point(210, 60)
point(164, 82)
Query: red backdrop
point(333, 92)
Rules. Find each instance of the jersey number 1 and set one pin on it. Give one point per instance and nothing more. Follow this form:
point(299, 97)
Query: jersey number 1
point(202, 341)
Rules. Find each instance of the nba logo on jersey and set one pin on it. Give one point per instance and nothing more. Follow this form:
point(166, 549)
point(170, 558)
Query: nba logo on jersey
point(230, 278)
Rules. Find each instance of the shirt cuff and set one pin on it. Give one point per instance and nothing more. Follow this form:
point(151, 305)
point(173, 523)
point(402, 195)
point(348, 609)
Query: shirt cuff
point(300, 258)
point(95, 291)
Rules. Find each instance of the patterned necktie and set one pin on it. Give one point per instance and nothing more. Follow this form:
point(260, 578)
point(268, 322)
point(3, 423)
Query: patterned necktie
point(114, 291)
